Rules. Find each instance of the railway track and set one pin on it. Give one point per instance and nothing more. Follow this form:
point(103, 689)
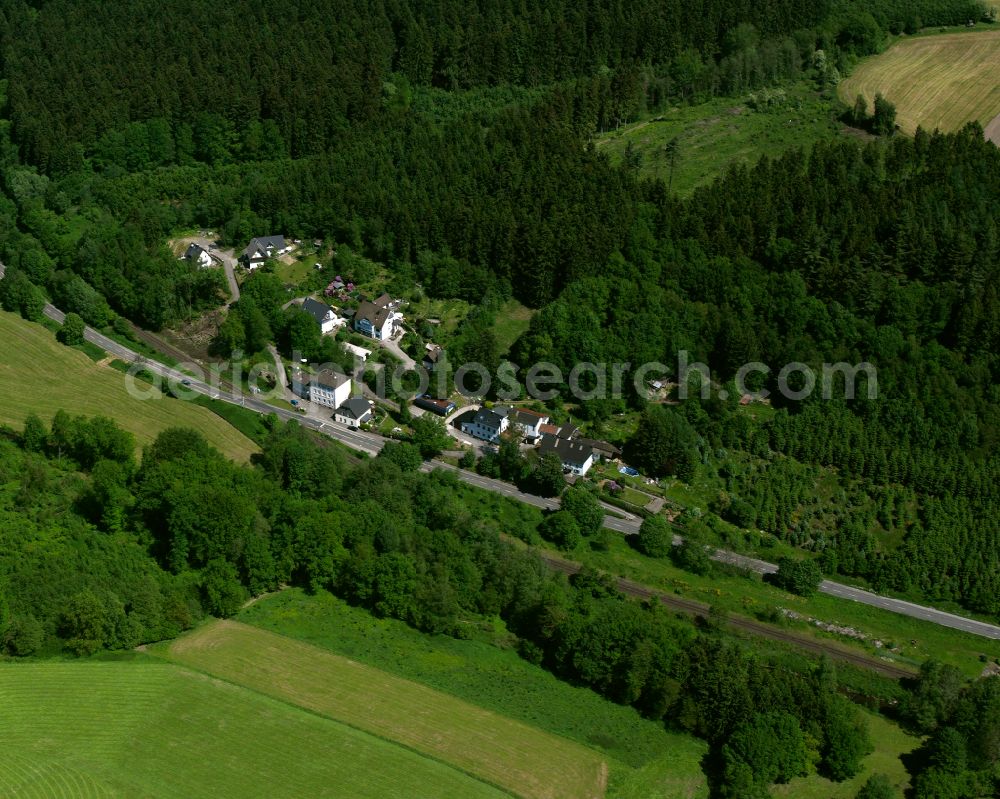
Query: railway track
point(701, 610)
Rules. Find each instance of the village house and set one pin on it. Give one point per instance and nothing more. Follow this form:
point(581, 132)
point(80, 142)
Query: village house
point(377, 318)
point(327, 388)
point(559, 431)
point(197, 254)
point(325, 316)
point(530, 423)
point(603, 451)
point(432, 356)
point(575, 457)
point(355, 412)
point(488, 424)
point(262, 249)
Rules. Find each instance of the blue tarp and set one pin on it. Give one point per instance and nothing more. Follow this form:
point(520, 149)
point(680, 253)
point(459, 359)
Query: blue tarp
point(628, 470)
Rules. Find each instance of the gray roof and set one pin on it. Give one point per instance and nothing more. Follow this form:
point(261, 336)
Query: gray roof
point(529, 418)
point(567, 451)
point(316, 309)
point(372, 313)
point(439, 406)
point(600, 446)
point(327, 379)
point(488, 418)
point(263, 244)
point(355, 408)
point(194, 251)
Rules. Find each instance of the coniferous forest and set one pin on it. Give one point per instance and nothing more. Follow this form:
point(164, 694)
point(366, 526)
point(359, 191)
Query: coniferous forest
point(454, 143)
point(884, 251)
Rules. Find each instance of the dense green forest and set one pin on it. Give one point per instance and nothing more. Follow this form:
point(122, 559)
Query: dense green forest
point(147, 84)
point(484, 185)
point(884, 253)
point(105, 552)
point(452, 143)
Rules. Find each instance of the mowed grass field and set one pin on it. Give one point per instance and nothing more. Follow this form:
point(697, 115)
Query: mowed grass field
point(935, 82)
point(501, 751)
point(143, 728)
point(40, 375)
point(644, 758)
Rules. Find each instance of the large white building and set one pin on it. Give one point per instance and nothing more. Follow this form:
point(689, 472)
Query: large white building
point(378, 318)
point(488, 424)
point(530, 423)
point(327, 388)
point(575, 457)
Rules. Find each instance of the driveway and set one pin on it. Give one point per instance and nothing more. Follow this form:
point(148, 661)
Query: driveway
point(224, 257)
point(393, 346)
point(478, 445)
point(279, 371)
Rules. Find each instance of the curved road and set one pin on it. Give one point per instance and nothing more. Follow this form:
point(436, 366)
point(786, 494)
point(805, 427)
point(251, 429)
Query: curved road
point(372, 444)
point(228, 261)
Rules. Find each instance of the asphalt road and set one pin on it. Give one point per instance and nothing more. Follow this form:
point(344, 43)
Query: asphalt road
point(356, 439)
point(372, 444)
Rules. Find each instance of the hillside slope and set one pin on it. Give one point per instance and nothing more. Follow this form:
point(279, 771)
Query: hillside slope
point(147, 729)
point(935, 82)
point(37, 374)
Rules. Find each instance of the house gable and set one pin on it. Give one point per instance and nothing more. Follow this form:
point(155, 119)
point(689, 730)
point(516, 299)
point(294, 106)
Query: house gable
point(373, 321)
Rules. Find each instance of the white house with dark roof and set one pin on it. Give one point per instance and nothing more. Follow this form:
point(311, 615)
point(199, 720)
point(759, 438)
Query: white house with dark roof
point(377, 319)
point(261, 249)
point(488, 424)
point(328, 388)
point(324, 315)
point(575, 457)
point(354, 412)
point(197, 254)
point(530, 422)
